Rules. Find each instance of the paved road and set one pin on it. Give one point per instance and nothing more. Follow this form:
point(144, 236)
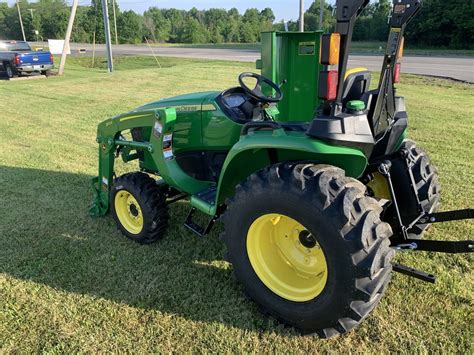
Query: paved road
point(459, 68)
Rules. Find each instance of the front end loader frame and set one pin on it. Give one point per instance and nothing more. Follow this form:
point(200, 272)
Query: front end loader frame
point(155, 159)
point(255, 150)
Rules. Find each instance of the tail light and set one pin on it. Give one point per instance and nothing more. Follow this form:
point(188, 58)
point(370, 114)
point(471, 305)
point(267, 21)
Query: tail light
point(330, 49)
point(51, 59)
point(396, 73)
point(401, 49)
point(328, 85)
point(17, 60)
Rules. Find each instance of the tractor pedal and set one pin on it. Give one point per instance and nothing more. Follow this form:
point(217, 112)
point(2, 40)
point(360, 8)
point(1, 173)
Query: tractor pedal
point(196, 228)
point(406, 270)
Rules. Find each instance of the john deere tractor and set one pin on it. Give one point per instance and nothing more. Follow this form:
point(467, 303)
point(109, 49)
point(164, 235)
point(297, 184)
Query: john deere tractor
point(313, 176)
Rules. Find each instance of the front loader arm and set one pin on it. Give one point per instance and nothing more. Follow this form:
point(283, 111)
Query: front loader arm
point(108, 138)
point(157, 149)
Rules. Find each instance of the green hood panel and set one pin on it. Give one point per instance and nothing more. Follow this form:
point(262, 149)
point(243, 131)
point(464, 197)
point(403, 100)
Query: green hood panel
point(195, 99)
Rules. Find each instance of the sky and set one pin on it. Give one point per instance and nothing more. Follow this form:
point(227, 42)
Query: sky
point(283, 9)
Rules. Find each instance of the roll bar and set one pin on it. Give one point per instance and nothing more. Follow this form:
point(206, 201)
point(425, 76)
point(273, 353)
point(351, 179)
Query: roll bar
point(347, 12)
point(383, 114)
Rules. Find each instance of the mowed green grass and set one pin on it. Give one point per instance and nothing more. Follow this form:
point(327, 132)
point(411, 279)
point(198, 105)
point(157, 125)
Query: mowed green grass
point(71, 283)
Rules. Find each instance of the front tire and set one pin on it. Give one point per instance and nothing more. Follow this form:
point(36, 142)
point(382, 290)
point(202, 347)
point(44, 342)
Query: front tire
point(326, 284)
point(139, 208)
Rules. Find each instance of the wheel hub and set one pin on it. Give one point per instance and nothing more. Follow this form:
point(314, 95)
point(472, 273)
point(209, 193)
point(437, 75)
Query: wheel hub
point(307, 239)
point(129, 212)
point(286, 257)
point(133, 210)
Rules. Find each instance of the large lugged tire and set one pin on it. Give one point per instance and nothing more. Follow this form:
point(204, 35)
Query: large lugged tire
point(309, 247)
point(427, 183)
point(139, 208)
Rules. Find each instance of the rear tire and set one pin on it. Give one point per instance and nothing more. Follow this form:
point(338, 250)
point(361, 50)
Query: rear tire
point(9, 71)
point(139, 208)
point(427, 183)
point(46, 73)
point(345, 224)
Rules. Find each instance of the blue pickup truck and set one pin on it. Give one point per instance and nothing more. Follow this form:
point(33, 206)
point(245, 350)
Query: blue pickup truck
point(17, 57)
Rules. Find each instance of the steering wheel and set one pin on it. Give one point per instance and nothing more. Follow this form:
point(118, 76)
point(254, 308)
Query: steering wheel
point(257, 92)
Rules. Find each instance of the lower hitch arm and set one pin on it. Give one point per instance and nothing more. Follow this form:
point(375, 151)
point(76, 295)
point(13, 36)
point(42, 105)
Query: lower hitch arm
point(438, 246)
point(406, 270)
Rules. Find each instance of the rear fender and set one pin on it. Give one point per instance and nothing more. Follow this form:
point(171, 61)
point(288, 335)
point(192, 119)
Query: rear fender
point(260, 149)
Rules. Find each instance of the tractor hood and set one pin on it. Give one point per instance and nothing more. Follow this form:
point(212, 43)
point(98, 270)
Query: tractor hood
point(183, 102)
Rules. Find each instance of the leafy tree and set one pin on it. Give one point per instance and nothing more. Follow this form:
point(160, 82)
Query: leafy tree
point(4, 9)
point(231, 31)
point(439, 23)
point(247, 33)
point(194, 32)
point(82, 24)
point(267, 17)
point(250, 27)
point(11, 24)
point(379, 26)
point(443, 24)
point(161, 24)
point(149, 28)
point(129, 27)
point(177, 20)
point(312, 17)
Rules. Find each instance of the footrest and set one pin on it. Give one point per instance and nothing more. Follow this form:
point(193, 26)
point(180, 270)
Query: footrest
point(208, 195)
point(205, 201)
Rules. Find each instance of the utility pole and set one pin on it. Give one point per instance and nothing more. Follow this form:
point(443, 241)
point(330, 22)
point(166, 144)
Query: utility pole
point(301, 15)
point(36, 32)
point(115, 24)
point(62, 63)
point(21, 21)
point(321, 15)
point(105, 11)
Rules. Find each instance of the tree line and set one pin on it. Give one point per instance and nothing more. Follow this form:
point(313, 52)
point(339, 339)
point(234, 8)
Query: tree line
point(439, 24)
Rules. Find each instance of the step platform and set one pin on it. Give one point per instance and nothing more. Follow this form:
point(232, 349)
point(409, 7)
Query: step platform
point(205, 202)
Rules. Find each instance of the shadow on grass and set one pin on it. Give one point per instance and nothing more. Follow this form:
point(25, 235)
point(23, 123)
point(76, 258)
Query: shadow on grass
point(46, 236)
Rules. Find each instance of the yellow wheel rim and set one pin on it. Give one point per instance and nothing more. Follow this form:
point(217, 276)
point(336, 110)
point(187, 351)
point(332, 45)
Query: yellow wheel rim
point(286, 257)
point(379, 186)
point(129, 212)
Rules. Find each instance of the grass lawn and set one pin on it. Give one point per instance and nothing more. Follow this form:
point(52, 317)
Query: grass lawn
point(71, 283)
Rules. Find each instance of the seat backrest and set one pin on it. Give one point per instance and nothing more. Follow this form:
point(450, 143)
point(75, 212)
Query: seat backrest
point(356, 84)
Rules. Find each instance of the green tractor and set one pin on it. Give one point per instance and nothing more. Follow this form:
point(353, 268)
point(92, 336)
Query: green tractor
point(314, 206)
